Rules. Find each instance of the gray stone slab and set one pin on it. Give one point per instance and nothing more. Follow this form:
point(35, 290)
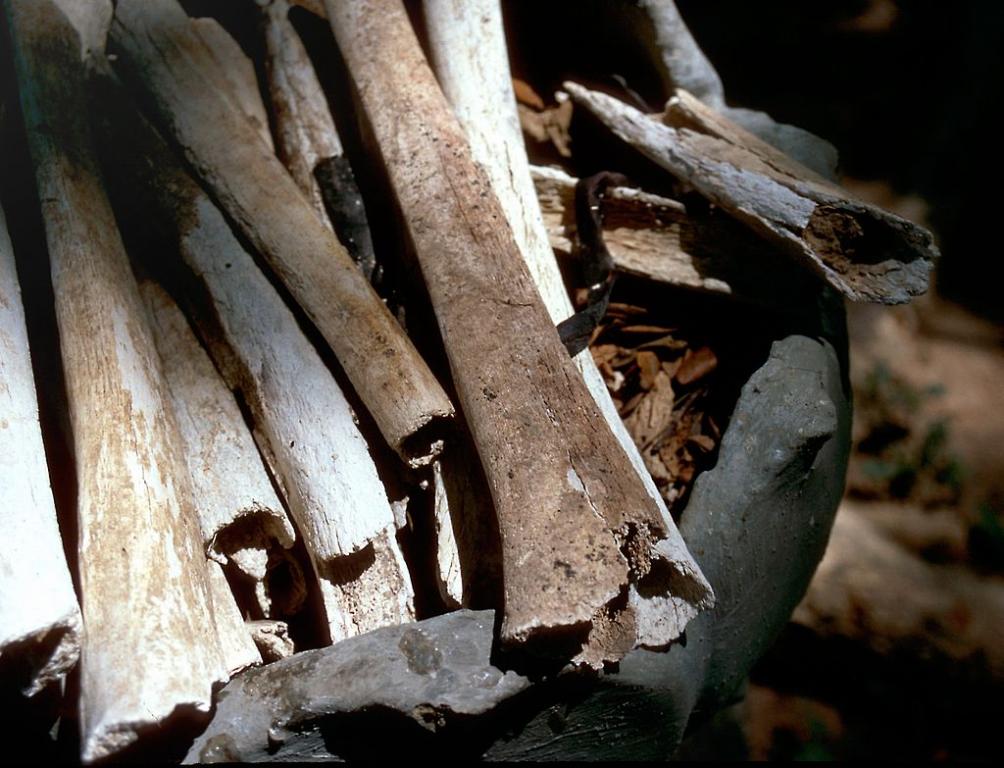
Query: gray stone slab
point(428, 673)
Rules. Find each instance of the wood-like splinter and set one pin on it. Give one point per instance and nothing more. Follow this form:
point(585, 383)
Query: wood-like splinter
point(149, 651)
point(660, 239)
point(241, 517)
point(39, 617)
point(159, 51)
point(865, 253)
point(583, 539)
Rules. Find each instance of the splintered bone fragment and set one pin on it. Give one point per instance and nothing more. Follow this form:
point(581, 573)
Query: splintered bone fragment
point(579, 527)
point(239, 513)
point(272, 639)
point(149, 652)
point(39, 617)
point(449, 574)
point(170, 64)
point(659, 239)
point(864, 252)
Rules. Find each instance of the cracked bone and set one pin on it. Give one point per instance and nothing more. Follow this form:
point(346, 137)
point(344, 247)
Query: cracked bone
point(862, 251)
point(239, 513)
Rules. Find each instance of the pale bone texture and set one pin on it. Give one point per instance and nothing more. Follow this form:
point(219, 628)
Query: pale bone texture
point(305, 130)
point(39, 617)
point(449, 572)
point(171, 65)
point(580, 530)
point(239, 512)
point(237, 645)
point(149, 650)
point(236, 74)
point(305, 426)
point(865, 253)
point(271, 638)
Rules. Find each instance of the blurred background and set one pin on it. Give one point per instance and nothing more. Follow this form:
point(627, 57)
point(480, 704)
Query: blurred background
point(898, 649)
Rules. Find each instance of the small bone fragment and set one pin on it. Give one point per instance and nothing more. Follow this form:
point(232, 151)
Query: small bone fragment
point(148, 650)
point(865, 253)
point(307, 429)
point(272, 639)
point(158, 51)
point(449, 575)
point(579, 528)
point(39, 617)
point(239, 513)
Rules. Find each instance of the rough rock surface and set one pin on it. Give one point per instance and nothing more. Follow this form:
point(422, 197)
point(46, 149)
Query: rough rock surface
point(409, 680)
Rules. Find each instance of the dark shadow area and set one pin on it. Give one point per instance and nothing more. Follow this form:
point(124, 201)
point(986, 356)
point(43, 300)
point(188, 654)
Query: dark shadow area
point(906, 91)
point(895, 707)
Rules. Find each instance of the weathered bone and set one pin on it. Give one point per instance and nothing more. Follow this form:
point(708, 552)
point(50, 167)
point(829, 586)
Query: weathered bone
point(580, 531)
point(159, 51)
point(305, 426)
point(659, 239)
point(239, 513)
point(468, 50)
point(860, 250)
point(39, 617)
point(149, 650)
